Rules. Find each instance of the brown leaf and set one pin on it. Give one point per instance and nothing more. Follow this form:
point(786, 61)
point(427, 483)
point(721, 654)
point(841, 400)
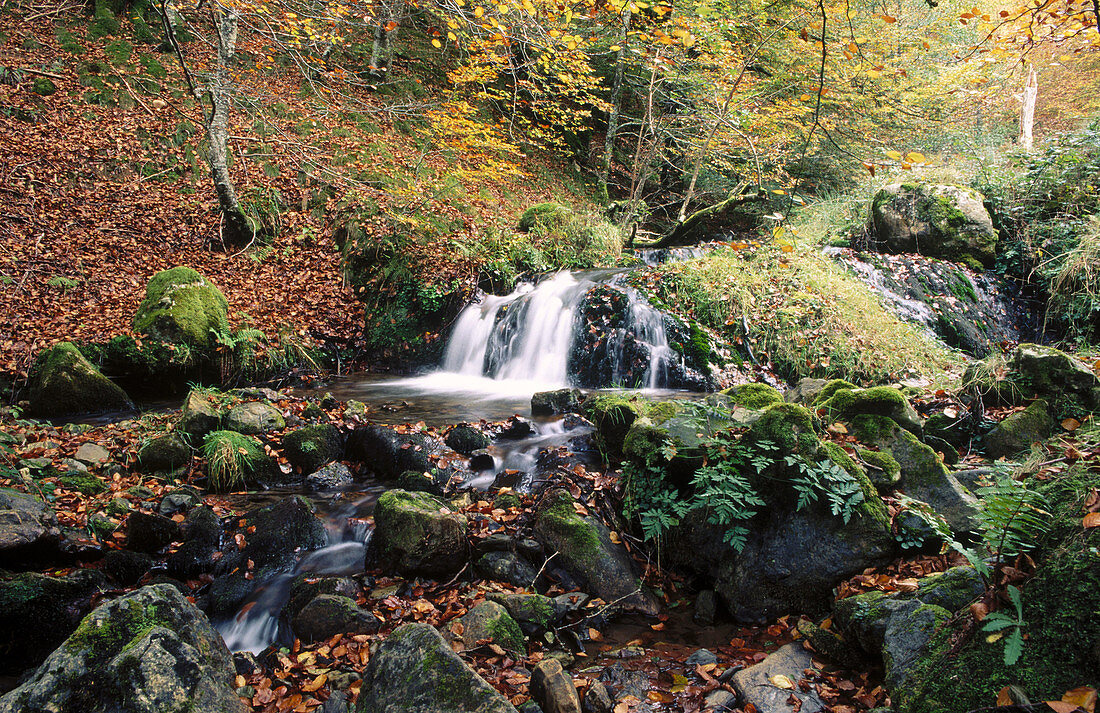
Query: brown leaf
point(1062, 706)
point(1082, 697)
point(1091, 520)
point(1071, 424)
point(1004, 696)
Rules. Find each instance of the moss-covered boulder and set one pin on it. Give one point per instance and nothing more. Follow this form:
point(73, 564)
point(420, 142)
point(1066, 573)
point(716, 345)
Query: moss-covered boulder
point(489, 622)
point(64, 383)
point(1060, 605)
point(754, 396)
point(149, 651)
point(790, 427)
point(535, 610)
point(1018, 431)
point(545, 216)
point(547, 403)
point(587, 554)
point(253, 418)
point(55, 604)
point(923, 474)
point(415, 670)
point(164, 454)
point(948, 222)
point(613, 416)
point(311, 447)
point(845, 404)
point(1032, 371)
point(234, 460)
point(418, 534)
point(882, 469)
point(83, 482)
point(466, 439)
point(181, 306)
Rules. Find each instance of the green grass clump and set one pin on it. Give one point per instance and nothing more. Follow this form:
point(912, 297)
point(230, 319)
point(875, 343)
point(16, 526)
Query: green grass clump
point(231, 459)
point(803, 313)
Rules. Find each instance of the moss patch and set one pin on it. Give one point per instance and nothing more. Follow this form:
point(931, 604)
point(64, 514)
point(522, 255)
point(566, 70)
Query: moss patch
point(182, 306)
point(754, 396)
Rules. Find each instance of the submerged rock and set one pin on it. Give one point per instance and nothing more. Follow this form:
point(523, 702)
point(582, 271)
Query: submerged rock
point(149, 651)
point(63, 383)
point(415, 671)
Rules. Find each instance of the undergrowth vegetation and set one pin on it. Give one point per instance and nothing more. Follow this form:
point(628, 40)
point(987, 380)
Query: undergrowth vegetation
point(793, 307)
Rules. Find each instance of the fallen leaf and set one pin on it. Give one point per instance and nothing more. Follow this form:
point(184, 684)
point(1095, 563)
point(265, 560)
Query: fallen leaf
point(781, 681)
point(1082, 697)
point(1091, 520)
point(1071, 424)
point(1062, 706)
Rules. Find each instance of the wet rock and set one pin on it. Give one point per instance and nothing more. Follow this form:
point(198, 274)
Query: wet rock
point(304, 588)
point(706, 608)
point(755, 685)
point(702, 657)
point(597, 699)
point(28, 530)
point(506, 567)
point(720, 701)
point(829, 644)
point(586, 553)
point(466, 439)
point(516, 428)
point(491, 622)
point(613, 416)
point(547, 403)
point(146, 532)
point(333, 475)
point(149, 651)
point(328, 615)
point(92, 454)
point(389, 454)
point(415, 482)
point(126, 567)
point(944, 221)
point(622, 682)
point(482, 460)
point(253, 418)
point(63, 383)
point(200, 415)
point(414, 670)
point(201, 533)
point(282, 531)
point(553, 689)
point(38, 612)
point(1018, 431)
point(417, 534)
point(312, 447)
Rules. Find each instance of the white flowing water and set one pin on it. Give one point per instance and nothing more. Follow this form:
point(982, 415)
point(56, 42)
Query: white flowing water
point(525, 338)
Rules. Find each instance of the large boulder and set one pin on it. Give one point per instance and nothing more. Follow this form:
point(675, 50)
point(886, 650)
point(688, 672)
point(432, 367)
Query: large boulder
point(311, 447)
point(183, 307)
point(55, 605)
point(63, 383)
point(253, 418)
point(150, 651)
point(1018, 431)
point(1030, 371)
point(28, 530)
point(845, 404)
point(418, 534)
point(273, 537)
point(764, 685)
point(491, 622)
point(415, 671)
point(389, 453)
point(587, 555)
point(948, 222)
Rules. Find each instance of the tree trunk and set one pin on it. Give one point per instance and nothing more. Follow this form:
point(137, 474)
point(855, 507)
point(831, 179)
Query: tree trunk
point(380, 53)
point(690, 229)
point(1027, 111)
point(616, 107)
point(236, 229)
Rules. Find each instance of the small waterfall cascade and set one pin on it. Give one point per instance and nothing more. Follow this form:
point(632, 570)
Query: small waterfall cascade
point(530, 334)
point(260, 623)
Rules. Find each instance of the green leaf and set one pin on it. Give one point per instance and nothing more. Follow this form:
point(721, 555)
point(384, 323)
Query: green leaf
point(1014, 647)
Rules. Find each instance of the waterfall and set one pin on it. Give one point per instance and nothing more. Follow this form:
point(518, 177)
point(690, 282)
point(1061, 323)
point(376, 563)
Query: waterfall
point(529, 335)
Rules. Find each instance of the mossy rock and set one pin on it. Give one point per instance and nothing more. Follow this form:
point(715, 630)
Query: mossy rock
point(311, 447)
point(586, 553)
point(54, 605)
point(1061, 603)
point(65, 383)
point(254, 418)
point(944, 221)
point(417, 533)
point(881, 467)
point(466, 439)
point(791, 427)
point(85, 483)
point(754, 396)
point(878, 401)
point(489, 621)
point(613, 416)
point(872, 508)
point(201, 414)
point(1018, 431)
point(830, 389)
point(545, 216)
point(1036, 371)
point(182, 306)
point(43, 86)
point(534, 609)
point(165, 454)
